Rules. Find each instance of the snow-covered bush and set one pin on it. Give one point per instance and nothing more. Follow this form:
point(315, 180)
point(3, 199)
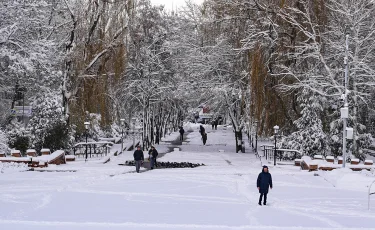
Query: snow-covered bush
point(310, 138)
point(48, 125)
point(97, 130)
point(3, 141)
point(18, 136)
point(363, 140)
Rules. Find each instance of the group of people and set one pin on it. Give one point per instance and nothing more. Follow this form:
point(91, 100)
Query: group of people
point(139, 157)
point(214, 124)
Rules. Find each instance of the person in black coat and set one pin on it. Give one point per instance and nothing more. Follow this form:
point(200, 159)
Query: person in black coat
point(202, 130)
point(204, 138)
point(263, 183)
point(153, 155)
point(138, 158)
point(182, 131)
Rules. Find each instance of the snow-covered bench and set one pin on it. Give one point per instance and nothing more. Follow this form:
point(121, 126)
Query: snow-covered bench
point(45, 151)
point(317, 164)
point(70, 157)
point(57, 157)
point(31, 153)
point(15, 153)
point(308, 164)
point(330, 159)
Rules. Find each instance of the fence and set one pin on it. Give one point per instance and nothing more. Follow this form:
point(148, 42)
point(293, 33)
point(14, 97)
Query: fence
point(95, 149)
point(281, 154)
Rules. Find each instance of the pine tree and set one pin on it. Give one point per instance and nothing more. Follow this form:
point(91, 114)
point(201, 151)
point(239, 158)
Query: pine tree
point(309, 138)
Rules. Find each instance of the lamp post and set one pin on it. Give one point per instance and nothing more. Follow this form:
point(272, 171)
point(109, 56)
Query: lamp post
point(345, 109)
point(276, 128)
point(122, 121)
point(133, 123)
point(87, 124)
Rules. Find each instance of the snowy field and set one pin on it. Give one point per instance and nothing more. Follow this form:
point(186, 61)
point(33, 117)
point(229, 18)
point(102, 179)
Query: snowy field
point(220, 195)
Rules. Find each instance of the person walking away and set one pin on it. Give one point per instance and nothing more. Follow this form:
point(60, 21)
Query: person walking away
point(201, 130)
point(182, 131)
point(138, 158)
point(204, 138)
point(264, 182)
point(213, 124)
point(149, 155)
point(216, 123)
point(154, 154)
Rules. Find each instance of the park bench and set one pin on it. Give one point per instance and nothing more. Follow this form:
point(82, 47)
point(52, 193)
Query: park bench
point(45, 151)
point(70, 157)
point(31, 153)
point(15, 153)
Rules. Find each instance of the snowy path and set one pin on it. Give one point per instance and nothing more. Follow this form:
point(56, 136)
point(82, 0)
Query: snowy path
point(221, 195)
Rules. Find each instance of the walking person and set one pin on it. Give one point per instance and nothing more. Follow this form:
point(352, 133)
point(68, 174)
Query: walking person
point(182, 131)
point(201, 130)
point(204, 138)
point(263, 183)
point(216, 123)
point(153, 155)
point(138, 158)
point(213, 124)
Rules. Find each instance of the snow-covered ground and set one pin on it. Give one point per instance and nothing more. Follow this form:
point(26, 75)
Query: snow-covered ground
point(221, 195)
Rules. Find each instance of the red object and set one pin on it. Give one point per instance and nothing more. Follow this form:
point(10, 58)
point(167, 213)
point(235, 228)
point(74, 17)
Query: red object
point(206, 110)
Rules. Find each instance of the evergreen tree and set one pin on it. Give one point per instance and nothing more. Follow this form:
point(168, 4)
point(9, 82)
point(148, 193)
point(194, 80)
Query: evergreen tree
point(310, 138)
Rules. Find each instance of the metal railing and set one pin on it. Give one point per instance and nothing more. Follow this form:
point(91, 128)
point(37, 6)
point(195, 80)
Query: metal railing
point(94, 149)
point(281, 154)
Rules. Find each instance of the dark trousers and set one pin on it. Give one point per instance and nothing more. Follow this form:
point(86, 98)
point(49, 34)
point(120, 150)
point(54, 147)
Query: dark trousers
point(138, 165)
point(153, 162)
point(265, 198)
point(181, 136)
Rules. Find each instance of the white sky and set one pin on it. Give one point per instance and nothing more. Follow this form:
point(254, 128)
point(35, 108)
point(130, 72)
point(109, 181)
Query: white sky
point(169, 3)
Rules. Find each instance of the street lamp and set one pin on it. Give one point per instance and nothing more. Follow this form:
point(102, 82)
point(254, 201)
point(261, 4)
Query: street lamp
point(122, 121)
point(276, 128)
point(133, 123)
point(345, 109)
point(87, 125)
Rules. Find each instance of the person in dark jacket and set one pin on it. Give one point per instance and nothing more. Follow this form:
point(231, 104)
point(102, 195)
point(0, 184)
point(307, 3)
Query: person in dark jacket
point(201, 130)
point(153, 155)
point(216, 123)
point(263, 183)
point(138, 158)
point(182, 131)
point(204, 138)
